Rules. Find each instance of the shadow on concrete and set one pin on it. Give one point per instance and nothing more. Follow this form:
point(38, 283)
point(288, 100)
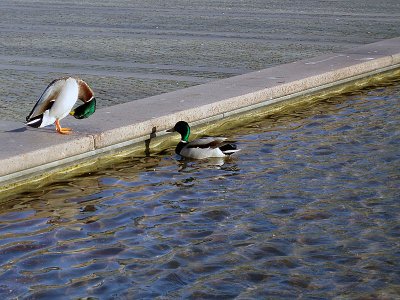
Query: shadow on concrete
point(22, 129)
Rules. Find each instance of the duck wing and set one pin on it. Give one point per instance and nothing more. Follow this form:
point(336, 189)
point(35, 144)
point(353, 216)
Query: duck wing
point(206, 142)
point(47, 99)
point(85, 92)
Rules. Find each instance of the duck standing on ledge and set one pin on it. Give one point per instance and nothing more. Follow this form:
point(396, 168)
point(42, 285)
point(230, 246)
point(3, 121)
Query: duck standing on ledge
point(57, 101)
point(205, 147)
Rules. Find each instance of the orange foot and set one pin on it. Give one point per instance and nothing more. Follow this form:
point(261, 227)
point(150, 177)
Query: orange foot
point(62, 130)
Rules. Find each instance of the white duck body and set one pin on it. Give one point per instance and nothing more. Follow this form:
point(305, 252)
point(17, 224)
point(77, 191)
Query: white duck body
point(57, 101)
point(63, 103)
point(206, 147)
point(203, 148)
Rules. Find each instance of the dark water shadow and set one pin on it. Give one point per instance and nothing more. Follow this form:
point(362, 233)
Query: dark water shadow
point(148, 141)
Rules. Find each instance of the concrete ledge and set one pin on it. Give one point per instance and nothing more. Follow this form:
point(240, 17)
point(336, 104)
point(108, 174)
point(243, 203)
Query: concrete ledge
point(26, 151)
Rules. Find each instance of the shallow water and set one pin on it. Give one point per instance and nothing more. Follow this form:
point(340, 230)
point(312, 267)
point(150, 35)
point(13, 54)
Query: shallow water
point(308, 209)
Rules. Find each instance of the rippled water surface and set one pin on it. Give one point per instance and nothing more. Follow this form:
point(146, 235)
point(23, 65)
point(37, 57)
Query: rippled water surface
point(308, 209)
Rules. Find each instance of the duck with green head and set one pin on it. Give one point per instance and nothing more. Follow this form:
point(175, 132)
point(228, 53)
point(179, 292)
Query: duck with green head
point(205, 147)
point(57, 101)
point(85, 110)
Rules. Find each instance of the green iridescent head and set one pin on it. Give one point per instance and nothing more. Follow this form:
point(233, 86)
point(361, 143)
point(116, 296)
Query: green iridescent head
point(183, 128)
point(85, 110)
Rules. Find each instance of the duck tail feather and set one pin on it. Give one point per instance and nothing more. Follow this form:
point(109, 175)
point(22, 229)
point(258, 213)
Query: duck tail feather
point(229, 149)
point(229, 152)
point(35, 122)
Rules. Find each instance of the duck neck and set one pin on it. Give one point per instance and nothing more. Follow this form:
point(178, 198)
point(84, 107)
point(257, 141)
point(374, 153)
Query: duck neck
point(185, 136)
point(180, 146)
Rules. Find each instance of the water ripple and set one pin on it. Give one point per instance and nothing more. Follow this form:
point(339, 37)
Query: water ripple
point(308, 207)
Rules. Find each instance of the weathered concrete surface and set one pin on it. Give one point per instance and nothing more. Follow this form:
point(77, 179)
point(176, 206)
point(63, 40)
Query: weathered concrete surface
point(26, 150)
point(129, 50)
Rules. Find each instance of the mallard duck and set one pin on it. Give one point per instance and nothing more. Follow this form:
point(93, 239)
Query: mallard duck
point(57, 101)
point(205, 147)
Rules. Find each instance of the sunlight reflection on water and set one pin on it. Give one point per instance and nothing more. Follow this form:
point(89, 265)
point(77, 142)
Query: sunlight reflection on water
point(308, 207)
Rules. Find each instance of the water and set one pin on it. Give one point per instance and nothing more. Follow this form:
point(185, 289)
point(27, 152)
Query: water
point(128, 50)
point(308, 209)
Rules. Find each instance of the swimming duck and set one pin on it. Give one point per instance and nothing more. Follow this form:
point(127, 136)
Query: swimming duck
point(205, 147)
point(57, 101)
